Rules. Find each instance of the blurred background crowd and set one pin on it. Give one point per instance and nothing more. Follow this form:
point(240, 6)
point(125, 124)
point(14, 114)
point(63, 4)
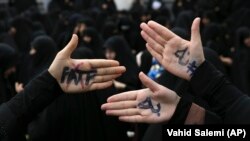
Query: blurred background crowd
point(31, 33)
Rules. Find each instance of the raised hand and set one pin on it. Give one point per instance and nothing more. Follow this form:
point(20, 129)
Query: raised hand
point(80, 75)
point(178, 56)
point(154, 104)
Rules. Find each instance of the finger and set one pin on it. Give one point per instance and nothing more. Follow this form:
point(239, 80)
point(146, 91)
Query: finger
point(99, 79)
point(161, 30)
point(133, 119)
point(156, 55)
point(119, 105)
point(130, 95)
point(152, 34)
point(70, 47)
point(111, 70)
point(98, 86)
point(158, 47)
point(149, 83)
point(124, 112)
point(102, 63)
point(195, 35)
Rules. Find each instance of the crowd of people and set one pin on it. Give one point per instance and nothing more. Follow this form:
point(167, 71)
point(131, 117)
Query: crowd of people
point(195, 70)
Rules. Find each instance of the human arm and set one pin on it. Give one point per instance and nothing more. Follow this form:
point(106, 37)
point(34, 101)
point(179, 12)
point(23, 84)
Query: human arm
point(156, 104)
point(208, 83)
point(69, 75)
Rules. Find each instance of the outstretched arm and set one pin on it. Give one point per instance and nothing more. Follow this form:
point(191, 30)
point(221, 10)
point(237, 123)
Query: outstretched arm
point(185, 59)
point(80, 75)
point(151, 105)
point(156, 104)
point(69, 75)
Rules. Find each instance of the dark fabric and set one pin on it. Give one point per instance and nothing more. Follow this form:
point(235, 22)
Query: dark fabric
point(223, 97)
point(125, 57)
point(46, 50)
point(17, 112)
point(241, 61)
point(8, 59)
point(153, 133)
point(95, 43)
point(146, 60)
point(78, 117)
point(82, 52)
point(184, 20)
point(181, 112)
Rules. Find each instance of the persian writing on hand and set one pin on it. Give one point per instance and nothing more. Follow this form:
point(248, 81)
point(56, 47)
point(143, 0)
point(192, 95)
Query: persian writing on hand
point(147, 104)
point(182, 55)
point(191, 68)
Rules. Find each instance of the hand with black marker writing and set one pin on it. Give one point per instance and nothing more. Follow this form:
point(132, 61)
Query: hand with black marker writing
point(154, 104)
point(80, 75)
point(178, 56)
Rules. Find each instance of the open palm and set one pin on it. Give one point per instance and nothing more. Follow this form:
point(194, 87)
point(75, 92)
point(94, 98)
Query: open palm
point(178, 56)
point(154, 104)
point(80, 75)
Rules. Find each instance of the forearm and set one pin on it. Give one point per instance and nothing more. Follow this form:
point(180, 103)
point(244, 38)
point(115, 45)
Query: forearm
point(39, 93)
point(223, 97)
point(190, 113)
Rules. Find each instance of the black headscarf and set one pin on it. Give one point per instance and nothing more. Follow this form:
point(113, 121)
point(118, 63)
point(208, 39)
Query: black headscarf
point(184, 20)
point(45, 52)
point(23, 33)
point(78, 117)
point(96, 42)
point(124, 55)
point(8, 57)
point(241, 60)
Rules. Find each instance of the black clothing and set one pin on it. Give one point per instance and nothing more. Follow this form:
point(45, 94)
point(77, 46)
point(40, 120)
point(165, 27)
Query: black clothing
point(21, 109)
point(125, 57)
point(78, 117)
point(223, 97)
point(241, 61)
point(95, 43)
point(8, 58)
point(46, 50)
point(183, 89)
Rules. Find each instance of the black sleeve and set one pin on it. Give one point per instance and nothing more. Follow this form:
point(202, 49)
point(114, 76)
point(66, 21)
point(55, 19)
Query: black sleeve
point(181, 112)
point(20, 110)
point(188, 112)
point(224, 98)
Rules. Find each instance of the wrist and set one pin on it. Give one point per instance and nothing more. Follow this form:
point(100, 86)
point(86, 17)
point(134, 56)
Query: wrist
point(181, 112)
point(192, 67)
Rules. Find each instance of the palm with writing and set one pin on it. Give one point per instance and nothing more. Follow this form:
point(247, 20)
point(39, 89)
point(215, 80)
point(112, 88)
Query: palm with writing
point(80, 75)
point(154, 104)
point(178, 56)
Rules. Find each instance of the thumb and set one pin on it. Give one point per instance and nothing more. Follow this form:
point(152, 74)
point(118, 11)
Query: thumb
point(149, 83)
point(195, 35)
point(70, 47)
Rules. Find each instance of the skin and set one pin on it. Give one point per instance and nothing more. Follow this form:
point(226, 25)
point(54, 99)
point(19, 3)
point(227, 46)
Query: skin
point(125, 105)
point(106, 70)
point(163, 44)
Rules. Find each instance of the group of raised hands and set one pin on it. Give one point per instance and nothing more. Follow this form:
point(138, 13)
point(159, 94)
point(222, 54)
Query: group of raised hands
point(153, 104)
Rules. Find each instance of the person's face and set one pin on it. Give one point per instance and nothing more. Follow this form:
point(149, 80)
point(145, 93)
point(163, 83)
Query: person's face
point(87, 39)
point(247, 42)
point(32, 51)
point(110, 54)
